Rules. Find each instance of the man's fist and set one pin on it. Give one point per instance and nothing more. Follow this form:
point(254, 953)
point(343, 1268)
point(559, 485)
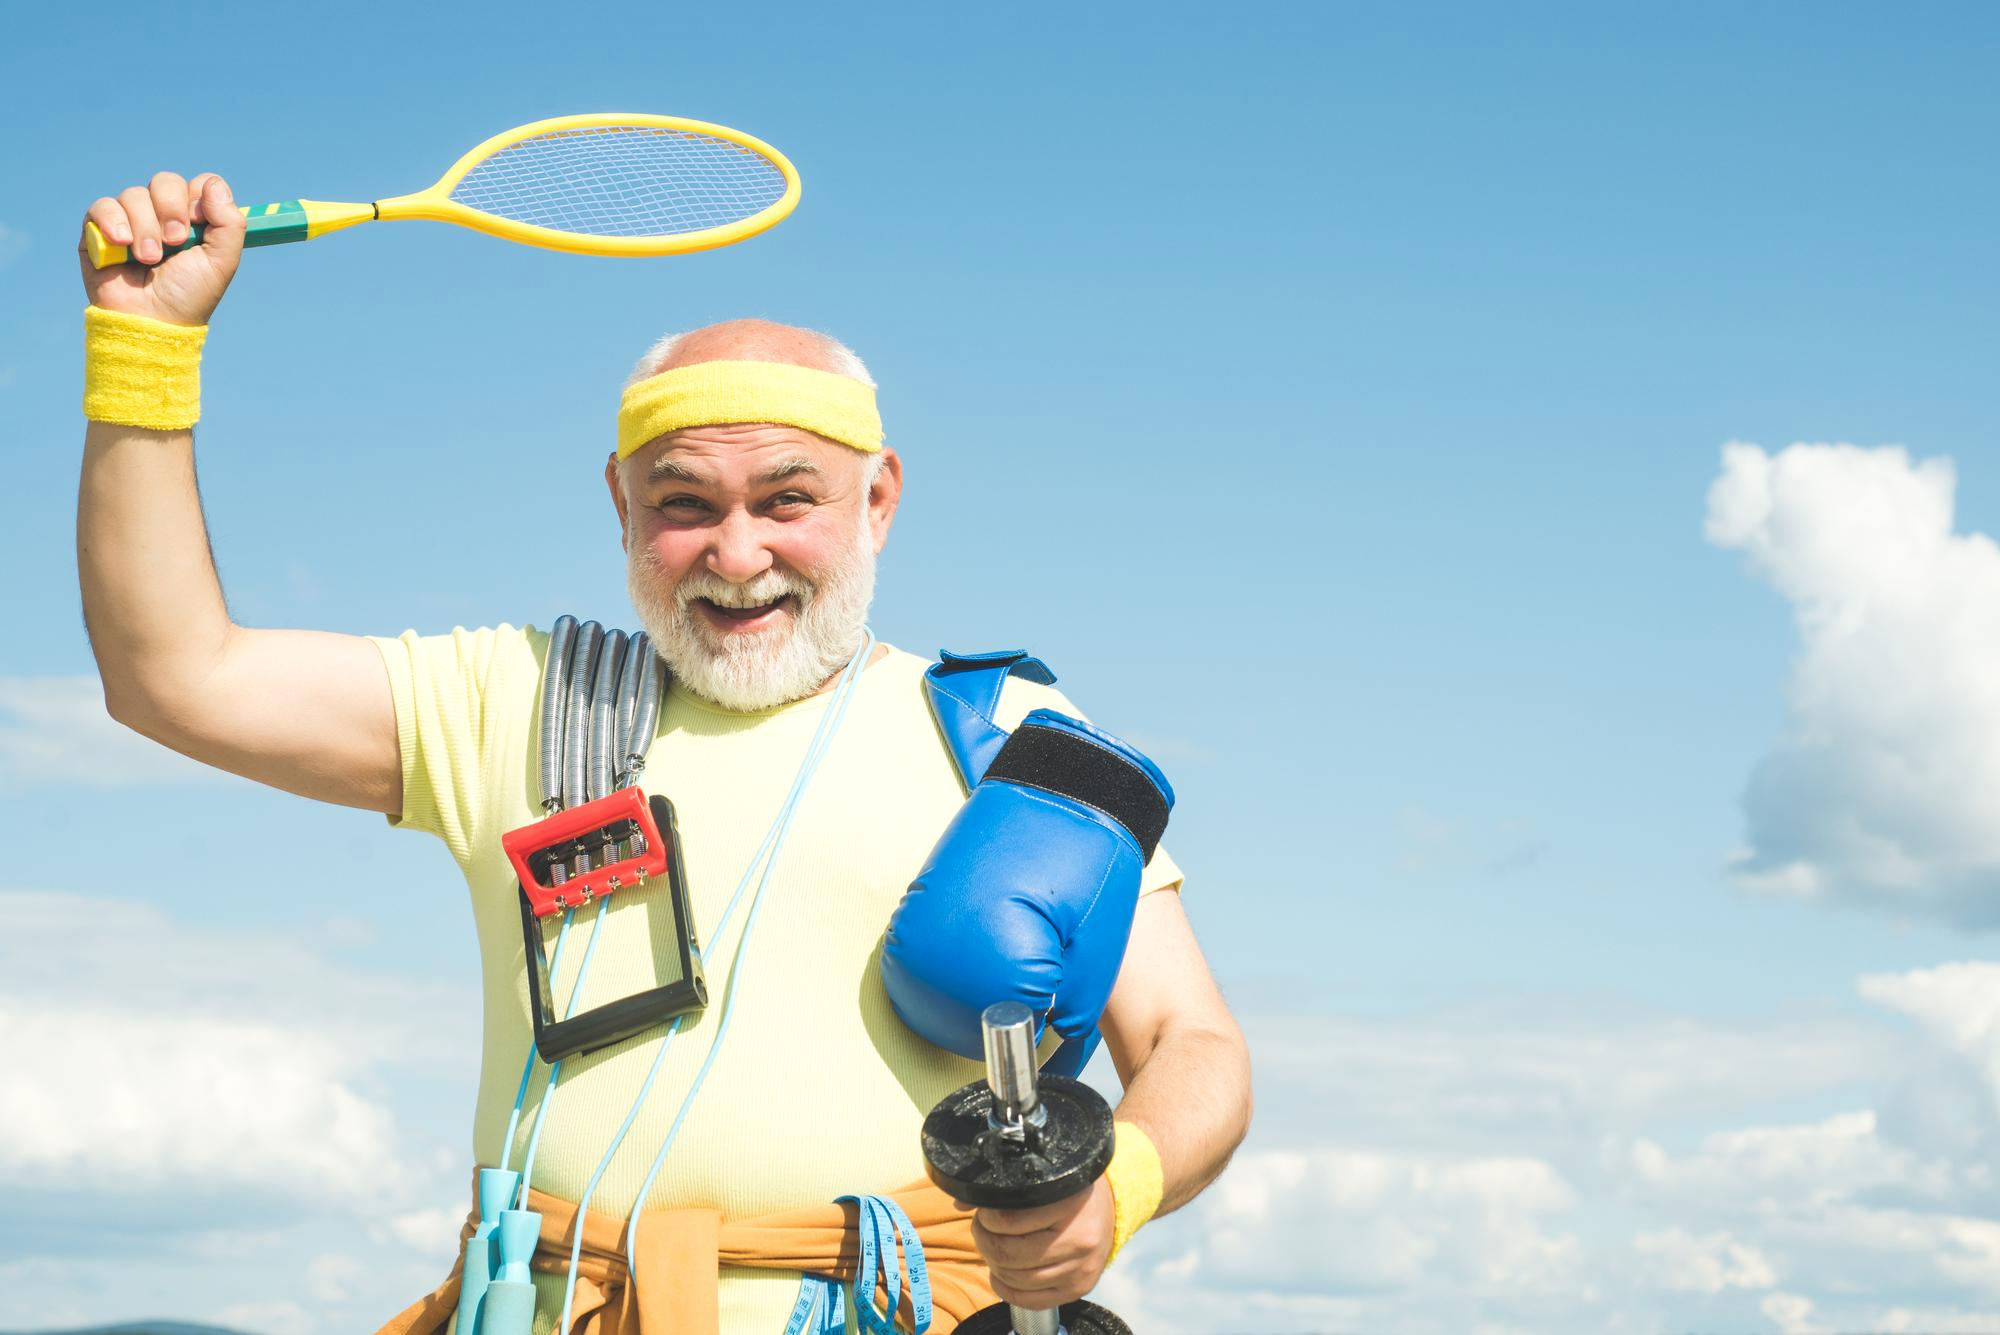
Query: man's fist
point(1048, 1256)
point(179, 289)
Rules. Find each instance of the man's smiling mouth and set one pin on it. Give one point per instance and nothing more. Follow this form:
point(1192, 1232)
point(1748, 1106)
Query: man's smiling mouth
point(724, 615)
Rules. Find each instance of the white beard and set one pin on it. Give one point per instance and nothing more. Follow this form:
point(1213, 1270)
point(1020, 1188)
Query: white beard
point(749, 672)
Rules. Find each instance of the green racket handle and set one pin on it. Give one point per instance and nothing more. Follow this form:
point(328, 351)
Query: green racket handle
point(263, 225)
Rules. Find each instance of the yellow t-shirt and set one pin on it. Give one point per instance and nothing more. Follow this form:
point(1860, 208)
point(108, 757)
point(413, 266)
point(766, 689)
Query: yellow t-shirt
point(819, 1090)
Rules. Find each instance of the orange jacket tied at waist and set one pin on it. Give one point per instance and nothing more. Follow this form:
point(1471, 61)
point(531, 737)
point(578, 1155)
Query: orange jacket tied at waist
point(678, 1253)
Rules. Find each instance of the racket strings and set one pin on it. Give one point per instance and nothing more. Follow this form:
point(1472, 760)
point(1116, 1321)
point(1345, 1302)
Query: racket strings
point(623, 180)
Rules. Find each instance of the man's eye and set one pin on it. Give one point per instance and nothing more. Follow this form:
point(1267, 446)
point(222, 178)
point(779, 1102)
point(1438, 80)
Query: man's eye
point(682, 505)
point(787, 499)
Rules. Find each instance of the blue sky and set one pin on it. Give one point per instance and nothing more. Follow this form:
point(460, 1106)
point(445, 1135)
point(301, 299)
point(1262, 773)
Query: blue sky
point(1333, 395)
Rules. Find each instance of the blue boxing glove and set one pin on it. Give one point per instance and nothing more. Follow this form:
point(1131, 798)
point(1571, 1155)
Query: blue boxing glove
point(1028, 896)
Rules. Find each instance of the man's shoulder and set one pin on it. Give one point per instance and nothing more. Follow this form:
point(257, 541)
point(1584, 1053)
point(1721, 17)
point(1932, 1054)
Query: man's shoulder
point(483, 654)
point(900, 663)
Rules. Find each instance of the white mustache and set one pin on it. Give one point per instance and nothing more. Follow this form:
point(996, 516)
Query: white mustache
point(768, 587)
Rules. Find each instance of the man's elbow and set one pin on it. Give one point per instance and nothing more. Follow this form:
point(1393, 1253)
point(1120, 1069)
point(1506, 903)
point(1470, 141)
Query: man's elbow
point(150, 707)
point(121, 676)
point(121, 700)
point(126, 703)
point(159, 690)
point(1245, 1087)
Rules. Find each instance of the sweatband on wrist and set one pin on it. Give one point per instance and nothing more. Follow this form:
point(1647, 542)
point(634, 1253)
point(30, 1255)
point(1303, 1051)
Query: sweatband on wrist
point(713, 393)
point(141, 372)
point(1136, 1181)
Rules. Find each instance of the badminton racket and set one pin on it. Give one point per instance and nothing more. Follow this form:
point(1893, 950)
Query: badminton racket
point(599, 184)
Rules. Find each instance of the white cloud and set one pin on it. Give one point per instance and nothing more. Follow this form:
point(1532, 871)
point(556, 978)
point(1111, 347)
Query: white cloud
point(1843, 1247)
point(332, 1278)
point(1957, 1004)
point(1570, 1165)
point(1885, 786)
point(1851, 1210)
point(420, 1229)
point(1438, 1173)
point(1791, 1313)
point(55, 730)
point(122, 1100)
point(1945, 1103)
point(1927, 1321)
point(65, 951)
point(1330, 1238)
point(277, 1317)
point(1825, 1160)
point(1795, 1314)
point(218, 1103)
point(1501, 1074)
point(1285, 1218)
point(149, 1056)
point(1708, 1263)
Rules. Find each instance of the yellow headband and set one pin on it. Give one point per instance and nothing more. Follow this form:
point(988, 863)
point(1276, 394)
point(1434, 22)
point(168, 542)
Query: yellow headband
point(711, 393)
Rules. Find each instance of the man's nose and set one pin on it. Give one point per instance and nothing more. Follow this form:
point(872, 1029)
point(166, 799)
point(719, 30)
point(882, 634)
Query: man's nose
point(736, 552)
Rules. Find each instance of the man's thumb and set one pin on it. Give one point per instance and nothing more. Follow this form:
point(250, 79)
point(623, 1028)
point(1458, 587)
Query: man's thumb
point(224, 220)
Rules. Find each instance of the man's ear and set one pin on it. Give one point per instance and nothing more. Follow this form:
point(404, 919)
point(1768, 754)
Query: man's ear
point(617, 485)
point(884, 494)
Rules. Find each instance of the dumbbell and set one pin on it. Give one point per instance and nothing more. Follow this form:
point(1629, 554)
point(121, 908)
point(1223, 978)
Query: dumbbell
point(1012, 1142)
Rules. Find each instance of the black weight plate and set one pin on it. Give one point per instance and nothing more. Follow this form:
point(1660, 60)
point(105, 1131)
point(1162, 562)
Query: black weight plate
point(1078, 1318)
point(968, 1160)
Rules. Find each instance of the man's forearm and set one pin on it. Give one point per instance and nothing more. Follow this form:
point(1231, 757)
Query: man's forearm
point(151, 599)
point(1192, 1098)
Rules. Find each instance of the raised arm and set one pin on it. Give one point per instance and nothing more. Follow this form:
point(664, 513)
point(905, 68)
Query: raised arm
point(306, 711)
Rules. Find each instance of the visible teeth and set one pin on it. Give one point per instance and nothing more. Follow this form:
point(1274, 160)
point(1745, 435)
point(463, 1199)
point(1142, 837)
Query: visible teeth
point(758, 593)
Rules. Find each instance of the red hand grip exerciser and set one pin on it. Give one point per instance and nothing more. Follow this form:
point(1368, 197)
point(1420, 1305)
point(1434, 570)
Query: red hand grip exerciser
point(593, 828)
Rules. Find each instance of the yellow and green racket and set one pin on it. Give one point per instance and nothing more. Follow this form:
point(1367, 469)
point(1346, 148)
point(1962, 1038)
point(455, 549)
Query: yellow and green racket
point(602, 184)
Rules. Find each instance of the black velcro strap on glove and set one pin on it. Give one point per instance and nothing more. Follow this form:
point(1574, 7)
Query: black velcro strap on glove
point(1085, 771)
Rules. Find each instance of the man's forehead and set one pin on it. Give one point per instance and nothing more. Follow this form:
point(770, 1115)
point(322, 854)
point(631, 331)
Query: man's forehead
point(741, 451)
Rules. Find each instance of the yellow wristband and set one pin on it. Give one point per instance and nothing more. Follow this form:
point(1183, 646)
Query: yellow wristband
point(1136, 1181)
point(141, 372)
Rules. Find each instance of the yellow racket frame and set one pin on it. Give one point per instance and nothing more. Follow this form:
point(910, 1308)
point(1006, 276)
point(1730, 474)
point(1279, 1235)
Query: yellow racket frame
point(436, 205)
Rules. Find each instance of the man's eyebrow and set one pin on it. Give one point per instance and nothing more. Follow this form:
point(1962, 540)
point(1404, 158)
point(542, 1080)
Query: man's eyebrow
point(666, 468)
point(796, 467)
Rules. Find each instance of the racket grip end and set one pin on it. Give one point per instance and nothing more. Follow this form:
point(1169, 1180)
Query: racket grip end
point(99, 250)
point(103, 254)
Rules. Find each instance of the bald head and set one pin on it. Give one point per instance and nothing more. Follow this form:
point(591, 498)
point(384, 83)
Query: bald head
point(752, 341)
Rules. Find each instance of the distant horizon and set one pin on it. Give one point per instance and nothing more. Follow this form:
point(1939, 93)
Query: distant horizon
point(147, 1327)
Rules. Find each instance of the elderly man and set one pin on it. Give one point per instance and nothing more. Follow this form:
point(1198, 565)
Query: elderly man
point(751, 549)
